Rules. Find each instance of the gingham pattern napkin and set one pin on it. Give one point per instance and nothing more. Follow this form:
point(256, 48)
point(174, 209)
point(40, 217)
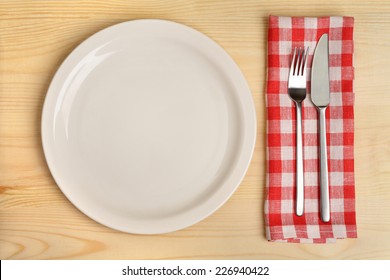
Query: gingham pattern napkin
point(282, 224)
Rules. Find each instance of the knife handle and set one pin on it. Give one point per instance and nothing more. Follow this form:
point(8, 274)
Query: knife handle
point(324, 184)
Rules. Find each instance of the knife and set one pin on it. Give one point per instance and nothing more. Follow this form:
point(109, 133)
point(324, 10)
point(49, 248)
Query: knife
point(320, 95)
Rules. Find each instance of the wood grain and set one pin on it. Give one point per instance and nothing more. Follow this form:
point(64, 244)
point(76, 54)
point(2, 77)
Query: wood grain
point(38, 222)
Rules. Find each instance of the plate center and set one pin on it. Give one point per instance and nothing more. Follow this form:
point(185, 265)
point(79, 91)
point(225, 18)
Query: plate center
point(152, 133)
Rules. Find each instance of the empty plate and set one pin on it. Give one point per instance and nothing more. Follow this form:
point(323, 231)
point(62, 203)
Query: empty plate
point(148, 126)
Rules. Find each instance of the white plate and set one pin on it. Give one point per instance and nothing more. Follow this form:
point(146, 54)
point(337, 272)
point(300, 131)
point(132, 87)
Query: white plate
point(148, 126)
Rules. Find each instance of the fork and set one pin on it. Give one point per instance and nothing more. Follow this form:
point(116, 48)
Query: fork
point(297, 92)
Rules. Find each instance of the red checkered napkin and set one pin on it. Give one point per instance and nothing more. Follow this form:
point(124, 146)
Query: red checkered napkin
point(282, 224)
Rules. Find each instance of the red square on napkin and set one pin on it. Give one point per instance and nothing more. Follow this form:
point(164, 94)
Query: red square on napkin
point(282, 224)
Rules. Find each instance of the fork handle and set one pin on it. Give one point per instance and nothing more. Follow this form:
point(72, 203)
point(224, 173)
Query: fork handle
point(324, 184)
point(299, 163)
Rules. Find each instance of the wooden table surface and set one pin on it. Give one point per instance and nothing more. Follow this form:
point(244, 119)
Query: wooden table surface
point(38, 222)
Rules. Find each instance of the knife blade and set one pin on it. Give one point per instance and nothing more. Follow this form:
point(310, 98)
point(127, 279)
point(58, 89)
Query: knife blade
point(320, 96)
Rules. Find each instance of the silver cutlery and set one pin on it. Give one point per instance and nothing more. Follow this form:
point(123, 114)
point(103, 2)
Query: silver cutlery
point(297, 92)
point(320, 95)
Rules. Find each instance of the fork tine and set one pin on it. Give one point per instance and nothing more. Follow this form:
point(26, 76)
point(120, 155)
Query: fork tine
point(300, 61)
point(292, 67)
point(298, 66)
